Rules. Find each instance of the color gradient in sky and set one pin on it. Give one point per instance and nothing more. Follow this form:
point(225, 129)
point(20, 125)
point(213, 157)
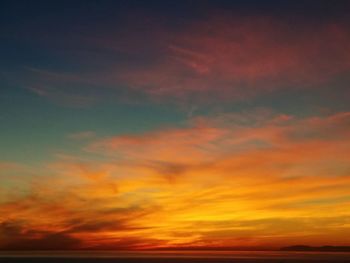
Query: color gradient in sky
point(174, 124)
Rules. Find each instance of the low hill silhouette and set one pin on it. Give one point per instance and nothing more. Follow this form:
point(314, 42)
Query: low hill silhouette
point(319, 249)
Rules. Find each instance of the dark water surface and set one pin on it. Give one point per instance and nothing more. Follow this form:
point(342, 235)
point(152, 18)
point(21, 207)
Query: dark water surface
point(172, 257)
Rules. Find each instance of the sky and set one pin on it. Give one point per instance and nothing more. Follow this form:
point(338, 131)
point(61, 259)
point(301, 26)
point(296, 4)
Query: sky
point(174, 124)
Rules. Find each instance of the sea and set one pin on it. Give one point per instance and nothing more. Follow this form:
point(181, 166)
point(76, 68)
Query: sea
point(171, 257)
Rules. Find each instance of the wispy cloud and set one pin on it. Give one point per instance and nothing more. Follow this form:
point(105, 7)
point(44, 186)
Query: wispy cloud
point(235, 58)
point(221, 58)
point(245, 179)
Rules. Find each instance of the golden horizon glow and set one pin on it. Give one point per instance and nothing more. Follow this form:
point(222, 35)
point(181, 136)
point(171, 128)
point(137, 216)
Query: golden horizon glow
point(271, 181)
point(209, 125)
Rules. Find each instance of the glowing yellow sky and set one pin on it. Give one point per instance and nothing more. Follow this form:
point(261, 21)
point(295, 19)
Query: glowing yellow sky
point(174, 124)
point(255, 179)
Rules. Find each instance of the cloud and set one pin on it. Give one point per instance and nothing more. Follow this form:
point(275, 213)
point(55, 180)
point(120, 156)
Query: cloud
point(239, 57)
point(77, 206)
point(206, 139)
point(222, 58)
point(240, 168)
point(226, 180)
point(16, 237)
point(66, 89)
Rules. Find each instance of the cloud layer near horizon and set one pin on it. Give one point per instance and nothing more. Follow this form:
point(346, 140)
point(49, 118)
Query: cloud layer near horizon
point(252, 179)
point(187, 126)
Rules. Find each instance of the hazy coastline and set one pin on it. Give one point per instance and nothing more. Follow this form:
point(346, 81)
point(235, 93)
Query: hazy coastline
point(171, 256)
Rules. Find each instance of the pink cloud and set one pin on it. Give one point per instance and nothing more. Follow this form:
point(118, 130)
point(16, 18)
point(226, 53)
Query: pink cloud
point(234, 58)
point(249, 136)
point(223, 58)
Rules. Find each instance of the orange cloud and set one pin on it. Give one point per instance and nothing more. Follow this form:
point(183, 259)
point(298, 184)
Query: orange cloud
point(255, 179)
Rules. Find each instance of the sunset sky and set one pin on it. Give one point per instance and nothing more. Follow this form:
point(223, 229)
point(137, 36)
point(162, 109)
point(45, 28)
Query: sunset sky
point(174, 124)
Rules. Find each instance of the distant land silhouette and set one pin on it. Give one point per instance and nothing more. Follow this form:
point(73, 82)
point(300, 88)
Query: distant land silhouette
point(319, 249)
